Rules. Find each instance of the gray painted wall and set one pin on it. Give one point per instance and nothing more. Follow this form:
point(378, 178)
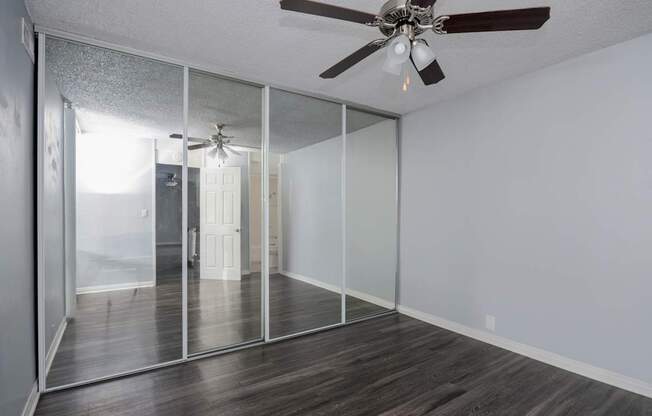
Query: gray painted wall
point(17, 268)
point(311, 193)
point(530, 200)
point(53, 211)
point(312, 211)
point(70, 203)
point(371, 232)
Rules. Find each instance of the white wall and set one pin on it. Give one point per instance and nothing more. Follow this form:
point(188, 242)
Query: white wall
point(531, 200)
point(114, 184)
point(371, 229)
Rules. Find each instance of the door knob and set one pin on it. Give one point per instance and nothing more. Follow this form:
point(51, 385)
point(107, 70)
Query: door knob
point(237, 230)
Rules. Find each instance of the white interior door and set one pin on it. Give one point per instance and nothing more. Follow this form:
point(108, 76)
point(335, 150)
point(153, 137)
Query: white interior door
point(219, 223)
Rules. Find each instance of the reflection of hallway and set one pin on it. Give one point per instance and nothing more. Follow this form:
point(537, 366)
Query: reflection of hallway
point(129, 329)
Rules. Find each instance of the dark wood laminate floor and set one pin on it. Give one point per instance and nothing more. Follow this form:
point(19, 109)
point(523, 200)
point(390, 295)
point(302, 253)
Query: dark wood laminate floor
point(386, 366)
point(125, 330)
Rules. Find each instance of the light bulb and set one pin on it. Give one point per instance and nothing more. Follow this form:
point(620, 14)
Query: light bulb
point(406, 79)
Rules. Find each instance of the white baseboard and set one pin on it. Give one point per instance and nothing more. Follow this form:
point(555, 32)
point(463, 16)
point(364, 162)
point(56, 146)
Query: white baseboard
point(229, 278)
point(337, 289)
point(32, 401)
point(54, 346)
point(311, 281)
point(577, 367)
point(371, 299)
point(110, 288)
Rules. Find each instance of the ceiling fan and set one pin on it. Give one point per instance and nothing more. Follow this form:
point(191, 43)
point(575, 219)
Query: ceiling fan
point(401, 21)
point(219, 144)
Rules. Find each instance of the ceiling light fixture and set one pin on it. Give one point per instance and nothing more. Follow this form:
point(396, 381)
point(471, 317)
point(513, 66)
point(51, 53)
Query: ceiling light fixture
point(398, 19)
point(421, 54)
point(171, 181)
point(218, 144)
point(397, 54)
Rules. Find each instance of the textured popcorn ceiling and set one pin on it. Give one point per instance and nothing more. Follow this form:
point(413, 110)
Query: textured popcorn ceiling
point(259, 41)
point(120, 94)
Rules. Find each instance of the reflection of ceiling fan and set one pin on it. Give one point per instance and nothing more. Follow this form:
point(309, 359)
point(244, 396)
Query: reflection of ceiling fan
point(171, 180)
point(401, 21)
point(219, 144)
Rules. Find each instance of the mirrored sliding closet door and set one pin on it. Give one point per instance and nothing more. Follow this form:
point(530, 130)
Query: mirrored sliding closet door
point(305, 213)
point(111, 209)
point(224, 213)
point(182, 213)
point(371, 214)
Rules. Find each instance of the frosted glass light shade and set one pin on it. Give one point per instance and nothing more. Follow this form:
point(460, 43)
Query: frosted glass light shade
point(422, 55)
point(392, 67)
point(397, 53)
point(399, 49)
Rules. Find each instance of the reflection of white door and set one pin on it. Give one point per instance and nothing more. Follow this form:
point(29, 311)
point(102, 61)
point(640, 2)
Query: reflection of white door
point(219, 223)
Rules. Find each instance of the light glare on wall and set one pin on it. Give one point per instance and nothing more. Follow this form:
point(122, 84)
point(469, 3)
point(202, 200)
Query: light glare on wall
point(110, 165)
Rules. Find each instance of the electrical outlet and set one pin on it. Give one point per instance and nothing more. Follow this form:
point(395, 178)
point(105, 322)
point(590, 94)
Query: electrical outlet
point(490, 322)
point(144, 212)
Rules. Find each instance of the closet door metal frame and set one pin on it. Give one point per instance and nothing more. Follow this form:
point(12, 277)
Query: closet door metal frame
point(43, 33)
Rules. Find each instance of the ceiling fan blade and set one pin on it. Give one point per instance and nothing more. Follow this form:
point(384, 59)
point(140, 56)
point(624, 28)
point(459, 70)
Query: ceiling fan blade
point(327, 10)
point(243, 148)
point(519, 19)
point(190, 139)
point(431, 74)
point(353, 59)
point(200, 146)
point(232, 150)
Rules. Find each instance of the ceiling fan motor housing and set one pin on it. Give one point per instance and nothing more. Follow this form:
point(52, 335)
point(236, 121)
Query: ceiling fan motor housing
point(396, 13)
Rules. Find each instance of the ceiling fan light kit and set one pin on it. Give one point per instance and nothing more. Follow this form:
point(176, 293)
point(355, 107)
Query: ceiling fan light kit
point(401, 21)
point(422, 55)
point(398, 53)
point(220, 145)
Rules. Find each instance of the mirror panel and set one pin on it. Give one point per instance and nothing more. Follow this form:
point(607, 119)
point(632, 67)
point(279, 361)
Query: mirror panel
point(112, 286)
point(371, 214)
point(113, 206)
point(224, 213)
point(305, 213)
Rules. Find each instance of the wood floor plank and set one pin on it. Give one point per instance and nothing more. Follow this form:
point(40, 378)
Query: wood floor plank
point(126, 330)
point(393, 365)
